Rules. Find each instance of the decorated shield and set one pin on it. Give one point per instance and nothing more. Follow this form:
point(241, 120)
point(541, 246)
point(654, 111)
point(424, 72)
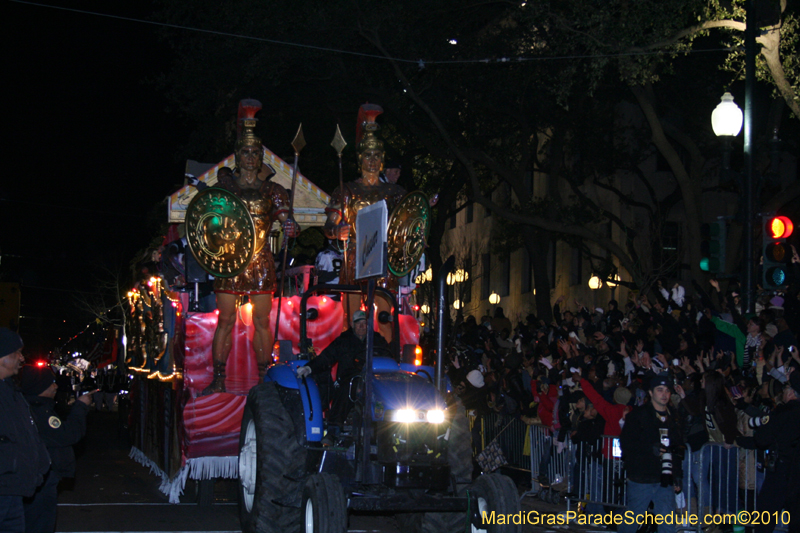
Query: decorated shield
point(220, 232)
point(409, 225)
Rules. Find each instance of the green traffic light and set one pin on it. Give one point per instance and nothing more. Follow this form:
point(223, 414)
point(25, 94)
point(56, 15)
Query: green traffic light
point(705, 264)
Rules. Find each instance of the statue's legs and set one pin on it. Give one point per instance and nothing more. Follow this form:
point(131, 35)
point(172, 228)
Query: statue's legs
point(262, 334)
point(223, 341)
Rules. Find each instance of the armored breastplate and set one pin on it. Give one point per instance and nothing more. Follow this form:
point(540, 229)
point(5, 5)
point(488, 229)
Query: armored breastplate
point(260, 207)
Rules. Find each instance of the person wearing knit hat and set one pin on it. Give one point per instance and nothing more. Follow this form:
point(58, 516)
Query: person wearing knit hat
point(23, 457)
point(649, 438)
point(38, 384)
point(11, 359)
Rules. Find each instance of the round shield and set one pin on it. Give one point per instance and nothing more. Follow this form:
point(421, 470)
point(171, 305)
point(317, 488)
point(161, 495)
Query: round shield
point(220, 232)
point(409, 224)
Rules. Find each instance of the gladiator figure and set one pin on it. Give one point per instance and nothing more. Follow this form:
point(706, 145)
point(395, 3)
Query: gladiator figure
point(266, 201)
point(364, 191)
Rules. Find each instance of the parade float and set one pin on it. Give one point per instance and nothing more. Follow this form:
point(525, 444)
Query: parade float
point(175, 430)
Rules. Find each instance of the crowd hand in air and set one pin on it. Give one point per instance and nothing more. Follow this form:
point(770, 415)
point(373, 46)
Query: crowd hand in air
point(680, 391)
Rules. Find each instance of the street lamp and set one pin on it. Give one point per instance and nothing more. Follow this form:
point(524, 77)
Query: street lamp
point(457, 305)
point(613, 284)
point(594, 284)
point(494, 298)
point(726, 121)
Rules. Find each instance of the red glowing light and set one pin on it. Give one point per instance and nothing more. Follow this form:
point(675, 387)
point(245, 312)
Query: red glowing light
point(40, 364)
point(781, 227)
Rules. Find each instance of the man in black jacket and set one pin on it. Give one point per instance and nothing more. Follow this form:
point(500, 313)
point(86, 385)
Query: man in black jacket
point(39, 387)
point(349, 350)
point(23, 457)
point(651, 441)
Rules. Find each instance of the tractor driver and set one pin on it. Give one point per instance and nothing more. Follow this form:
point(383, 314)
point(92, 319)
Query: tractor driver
point(349, 350)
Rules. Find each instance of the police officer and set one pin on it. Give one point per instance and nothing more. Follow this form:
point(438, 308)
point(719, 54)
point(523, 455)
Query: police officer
point(23, 457)
point(781, 435)
point(59, 434)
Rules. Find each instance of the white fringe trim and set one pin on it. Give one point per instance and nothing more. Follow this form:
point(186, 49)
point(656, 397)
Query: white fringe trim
point(197, 468)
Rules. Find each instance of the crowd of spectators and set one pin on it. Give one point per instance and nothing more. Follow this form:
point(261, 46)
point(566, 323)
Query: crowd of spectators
point(581, 374)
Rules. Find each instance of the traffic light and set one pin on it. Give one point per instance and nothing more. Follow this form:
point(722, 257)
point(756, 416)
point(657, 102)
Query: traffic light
point(712, 246)
point(777, 254)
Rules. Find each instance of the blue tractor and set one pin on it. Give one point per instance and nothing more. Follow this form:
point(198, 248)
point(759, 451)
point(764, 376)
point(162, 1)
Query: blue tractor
point(403, 452)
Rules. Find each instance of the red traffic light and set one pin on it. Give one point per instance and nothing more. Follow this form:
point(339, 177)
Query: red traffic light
point(780, 227)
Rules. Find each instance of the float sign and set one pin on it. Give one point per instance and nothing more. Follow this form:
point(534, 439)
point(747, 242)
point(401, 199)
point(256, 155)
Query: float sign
point(371, 240)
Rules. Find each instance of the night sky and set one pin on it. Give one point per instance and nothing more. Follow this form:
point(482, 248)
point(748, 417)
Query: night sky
point(91, 151)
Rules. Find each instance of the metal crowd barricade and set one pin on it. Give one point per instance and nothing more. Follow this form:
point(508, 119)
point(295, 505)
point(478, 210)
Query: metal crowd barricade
point(599, 473)
point(550, 465)
point(717, 479)
point(510, 433)
point(720, 479)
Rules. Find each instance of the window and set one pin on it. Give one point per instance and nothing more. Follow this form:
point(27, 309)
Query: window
point(466, 286)
point(551, 263)
point(486, 278)
point(470, 209)
point(526, 284)
point(528, 182)
point(487, 213)
point(451, 224)
point(505, 276)
point(667, 255)
point(576, 266)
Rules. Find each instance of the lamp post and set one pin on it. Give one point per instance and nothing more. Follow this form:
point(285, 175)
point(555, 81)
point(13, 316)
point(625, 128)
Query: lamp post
point(494, 299)
point(726, 121)
point(612, 283)
point(594, 284)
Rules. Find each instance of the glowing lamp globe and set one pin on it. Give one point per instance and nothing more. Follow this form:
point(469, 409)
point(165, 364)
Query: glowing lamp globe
point(726, 119)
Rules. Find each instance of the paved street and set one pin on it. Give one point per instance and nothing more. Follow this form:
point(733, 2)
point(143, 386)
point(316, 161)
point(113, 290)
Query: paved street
point(112, 493)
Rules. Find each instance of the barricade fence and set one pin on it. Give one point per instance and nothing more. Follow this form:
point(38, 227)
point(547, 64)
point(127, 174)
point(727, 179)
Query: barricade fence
point(717, 479)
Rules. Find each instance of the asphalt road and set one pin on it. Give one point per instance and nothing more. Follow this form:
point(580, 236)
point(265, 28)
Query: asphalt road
point(113, 493)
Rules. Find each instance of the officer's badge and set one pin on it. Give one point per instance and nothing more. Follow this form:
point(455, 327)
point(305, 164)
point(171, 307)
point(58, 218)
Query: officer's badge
point(54, 422)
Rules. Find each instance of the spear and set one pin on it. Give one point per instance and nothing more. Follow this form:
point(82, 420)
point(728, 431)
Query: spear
point(338, 144)
point(298, 144)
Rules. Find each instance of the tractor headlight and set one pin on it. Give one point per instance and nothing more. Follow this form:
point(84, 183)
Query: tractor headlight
point(435, 416)
point(407, 416)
